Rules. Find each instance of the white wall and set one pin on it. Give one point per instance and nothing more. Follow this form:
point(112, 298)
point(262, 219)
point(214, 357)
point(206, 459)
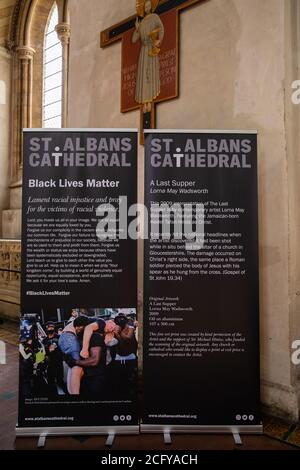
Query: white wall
point(232, 72)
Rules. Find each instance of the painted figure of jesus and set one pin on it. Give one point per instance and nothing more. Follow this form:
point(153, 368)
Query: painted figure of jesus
point(150, 31)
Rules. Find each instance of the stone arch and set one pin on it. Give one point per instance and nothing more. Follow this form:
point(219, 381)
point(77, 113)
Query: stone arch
point(23, 18)
point(26, 41)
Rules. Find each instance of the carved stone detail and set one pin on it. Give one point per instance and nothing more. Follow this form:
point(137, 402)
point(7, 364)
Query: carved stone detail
point(63, 32)
point(25, 52)
point(10, 271)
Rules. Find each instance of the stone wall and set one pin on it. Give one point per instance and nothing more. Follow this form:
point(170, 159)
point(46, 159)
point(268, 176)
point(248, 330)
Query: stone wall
point(9, 250)
point(5, 120)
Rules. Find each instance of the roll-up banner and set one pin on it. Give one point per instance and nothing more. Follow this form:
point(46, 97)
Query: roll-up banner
point(201, 299)
point(78, 329)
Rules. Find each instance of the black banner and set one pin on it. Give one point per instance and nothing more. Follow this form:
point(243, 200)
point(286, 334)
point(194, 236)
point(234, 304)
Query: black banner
point(78, 335)
point(201, 303)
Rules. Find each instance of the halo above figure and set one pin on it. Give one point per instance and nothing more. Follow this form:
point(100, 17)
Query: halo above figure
point(140, 6)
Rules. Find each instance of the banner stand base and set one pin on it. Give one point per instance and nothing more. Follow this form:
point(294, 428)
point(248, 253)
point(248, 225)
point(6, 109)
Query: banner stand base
point(42, 440)
point(43, 433)
point(43, 436)
point(110, 439)
point(167, 430)
point(236, 437)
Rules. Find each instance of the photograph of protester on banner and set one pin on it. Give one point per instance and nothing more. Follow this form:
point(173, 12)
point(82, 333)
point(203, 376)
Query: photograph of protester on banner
point(91, 353)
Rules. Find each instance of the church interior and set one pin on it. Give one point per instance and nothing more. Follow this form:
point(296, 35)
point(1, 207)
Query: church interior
point(238, 67)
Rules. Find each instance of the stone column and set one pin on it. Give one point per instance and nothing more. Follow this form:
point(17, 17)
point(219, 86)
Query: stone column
point(63, 32)
point(22, 118)
point(23, 86)
point(5, 127)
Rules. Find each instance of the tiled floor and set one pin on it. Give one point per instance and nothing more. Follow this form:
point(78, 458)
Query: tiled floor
point(278, 435)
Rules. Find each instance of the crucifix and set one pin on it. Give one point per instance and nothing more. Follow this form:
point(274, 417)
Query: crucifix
point(150, 56)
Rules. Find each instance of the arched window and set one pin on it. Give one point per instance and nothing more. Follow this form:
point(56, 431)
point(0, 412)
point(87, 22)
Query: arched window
point(2, 92)
point(52, 89)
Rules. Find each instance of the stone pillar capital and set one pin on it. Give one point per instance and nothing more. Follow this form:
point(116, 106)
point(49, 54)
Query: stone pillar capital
point(63, 32)
point(25, 53)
